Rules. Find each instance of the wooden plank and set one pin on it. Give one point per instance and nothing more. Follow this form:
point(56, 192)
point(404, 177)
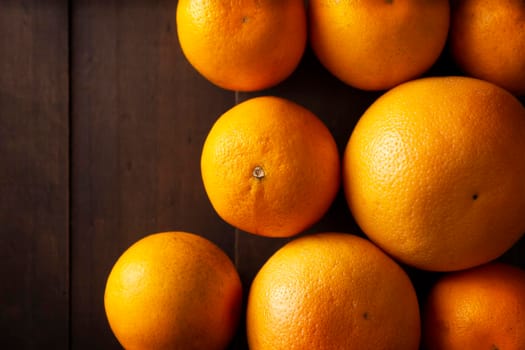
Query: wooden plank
point(34, 138)
point(140, 116)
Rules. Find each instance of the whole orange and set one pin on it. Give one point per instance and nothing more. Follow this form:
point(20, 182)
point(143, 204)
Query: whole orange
point(487, 40)
point(434, 172)
point(480, 308)
point(270, 167)
point(242, 44)
point(332, 291)
point(377, 44)
point(173, 290)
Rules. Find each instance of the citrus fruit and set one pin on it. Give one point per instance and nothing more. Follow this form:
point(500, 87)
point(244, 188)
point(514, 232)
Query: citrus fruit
point(332, 291)
point(374, 45)
point(173, 290)
point(487, 40)
point(270, 167)
point(242, 44)
point(434, 172)
point(480, 308)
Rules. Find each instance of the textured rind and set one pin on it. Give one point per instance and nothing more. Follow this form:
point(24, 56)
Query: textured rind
point(173, 290)
point(375, 45)
point(300, 161)
point(332, 291)
point(487, 41)
point(480, 308)
point(242, 45)
point(433, 172)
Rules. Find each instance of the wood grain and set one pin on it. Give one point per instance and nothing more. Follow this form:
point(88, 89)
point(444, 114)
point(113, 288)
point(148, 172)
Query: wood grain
point(34, 187)
point(140, 115)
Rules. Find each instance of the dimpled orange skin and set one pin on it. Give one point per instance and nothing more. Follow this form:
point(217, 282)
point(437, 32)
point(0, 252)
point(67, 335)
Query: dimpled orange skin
point(434, 172)
point(270, 167)
point(173, 290)
point(481, 308)
point(332, 291)
point(377, 44)
point(242, 45)
point(487, 40)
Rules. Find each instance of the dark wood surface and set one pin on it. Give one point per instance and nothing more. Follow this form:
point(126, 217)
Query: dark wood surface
point(34, 174)
point(102, 121)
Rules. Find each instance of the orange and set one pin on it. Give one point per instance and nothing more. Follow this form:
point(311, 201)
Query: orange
point(377, 44)
point(487, 40)
point(481, 308)
point(242, 44)
point(332, 291)
point(434, 172)
point(270, 167)
point(173, 290)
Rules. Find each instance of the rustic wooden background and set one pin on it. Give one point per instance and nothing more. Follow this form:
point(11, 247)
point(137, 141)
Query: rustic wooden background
point(101, 126)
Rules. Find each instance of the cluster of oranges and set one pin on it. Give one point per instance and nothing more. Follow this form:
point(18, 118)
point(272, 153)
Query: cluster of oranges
point(433, 173)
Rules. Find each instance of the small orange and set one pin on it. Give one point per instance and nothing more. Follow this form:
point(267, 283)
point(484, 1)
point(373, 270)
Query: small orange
point(487, 40)
point(480, 308)
point(434, 172)
point(242, 44)
point(332, 291)
point(173, 290)
point(376, 44)
point(270, 167)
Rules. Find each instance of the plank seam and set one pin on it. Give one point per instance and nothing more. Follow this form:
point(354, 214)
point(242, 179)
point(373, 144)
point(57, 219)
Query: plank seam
point(69, 4)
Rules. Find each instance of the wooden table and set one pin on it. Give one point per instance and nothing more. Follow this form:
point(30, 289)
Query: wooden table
point(101, 126)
